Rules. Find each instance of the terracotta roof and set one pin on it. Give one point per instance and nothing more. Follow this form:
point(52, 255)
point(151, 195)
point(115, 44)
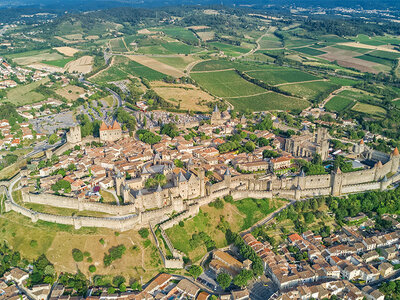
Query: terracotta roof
point(103, 126)
point(116, 125)
point(395, 152)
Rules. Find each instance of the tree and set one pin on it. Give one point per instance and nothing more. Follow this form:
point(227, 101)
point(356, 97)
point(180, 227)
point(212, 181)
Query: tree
point(136, 286)
point(243, 277)
point(92, 268)
point(77, 255)
point(195, 271)
point(224, 280)
point(53, 139)
point(118, 280)
point(144, 233)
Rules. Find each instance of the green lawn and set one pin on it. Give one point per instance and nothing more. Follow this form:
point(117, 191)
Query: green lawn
point(338, 103)
point(268, 101)
point(282, 75)
point(59, 63)
point(226, 84)
point(310, 51)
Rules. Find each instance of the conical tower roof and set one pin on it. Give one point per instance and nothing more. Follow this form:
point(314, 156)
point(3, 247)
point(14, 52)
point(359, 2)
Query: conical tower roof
point(395, 152)
point(227, 172)
point(159, 188)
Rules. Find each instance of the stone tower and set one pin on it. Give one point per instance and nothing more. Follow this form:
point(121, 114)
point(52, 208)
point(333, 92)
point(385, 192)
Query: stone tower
point(395, 158)
point(337, 180)
point(119, 182)
point(216, 117)
point(227, 178)
point(74, 135)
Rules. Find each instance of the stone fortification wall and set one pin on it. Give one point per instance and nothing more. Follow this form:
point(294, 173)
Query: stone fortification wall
point(356, 188)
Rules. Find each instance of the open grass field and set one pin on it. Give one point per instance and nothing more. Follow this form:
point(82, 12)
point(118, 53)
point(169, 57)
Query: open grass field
point(226, 84)
point(31, 57)
point(212, 65)
point(25, 94)
point(268, 101)
point(240, 215)
point(298, 42)
point(123, 67)
point(156, 65)
point(180, 48)
point(57, 241)
point(338, 103)
point(189, 97)
point(369, 109)
point(309, 51)
point(281, 75)
point(70, 92)
point(308, 90)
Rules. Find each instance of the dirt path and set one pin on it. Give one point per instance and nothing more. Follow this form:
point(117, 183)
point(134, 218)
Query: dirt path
point(213, 71)
point(123, 40)
point(248, 96)
point(190, 66)
point(109, 66)
point(290, 83)
point(333, 94)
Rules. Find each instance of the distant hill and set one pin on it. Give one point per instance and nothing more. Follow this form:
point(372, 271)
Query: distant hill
point(101, 4)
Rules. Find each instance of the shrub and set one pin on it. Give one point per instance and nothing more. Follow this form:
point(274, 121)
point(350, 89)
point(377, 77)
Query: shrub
point(92, 268)
point(118, 280)
point(101, 241)
point(87, 254)
point(113, 254)
point(181, 223)
point(77, 255)
point(33, 243)
point(111, 290)
point(144, 233)
point(89, 259)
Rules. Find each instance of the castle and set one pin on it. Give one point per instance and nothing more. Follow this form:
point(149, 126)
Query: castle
point(308, 145)
point(110, 133)
point(74, 135)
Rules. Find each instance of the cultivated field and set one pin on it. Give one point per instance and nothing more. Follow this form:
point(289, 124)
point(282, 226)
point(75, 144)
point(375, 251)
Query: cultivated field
point(229, 50)
point(156, 65)
point(67, 51)
point(83, 65)
point(369, 109)
point(226, 84)
point(179, 62)
point(268, 101)
point(206, 35)
point(123, 67)
point(281, 75)
point(339, 103)
point(189, 96)
point(308, 90)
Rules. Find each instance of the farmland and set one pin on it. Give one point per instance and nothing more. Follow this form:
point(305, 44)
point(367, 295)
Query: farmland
point(226, 84)
point(369, 109)
point(338, 103)
point(59, 63)
point(268, 101)
point(124, 67)
point(309, 90)
point(281, 75)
